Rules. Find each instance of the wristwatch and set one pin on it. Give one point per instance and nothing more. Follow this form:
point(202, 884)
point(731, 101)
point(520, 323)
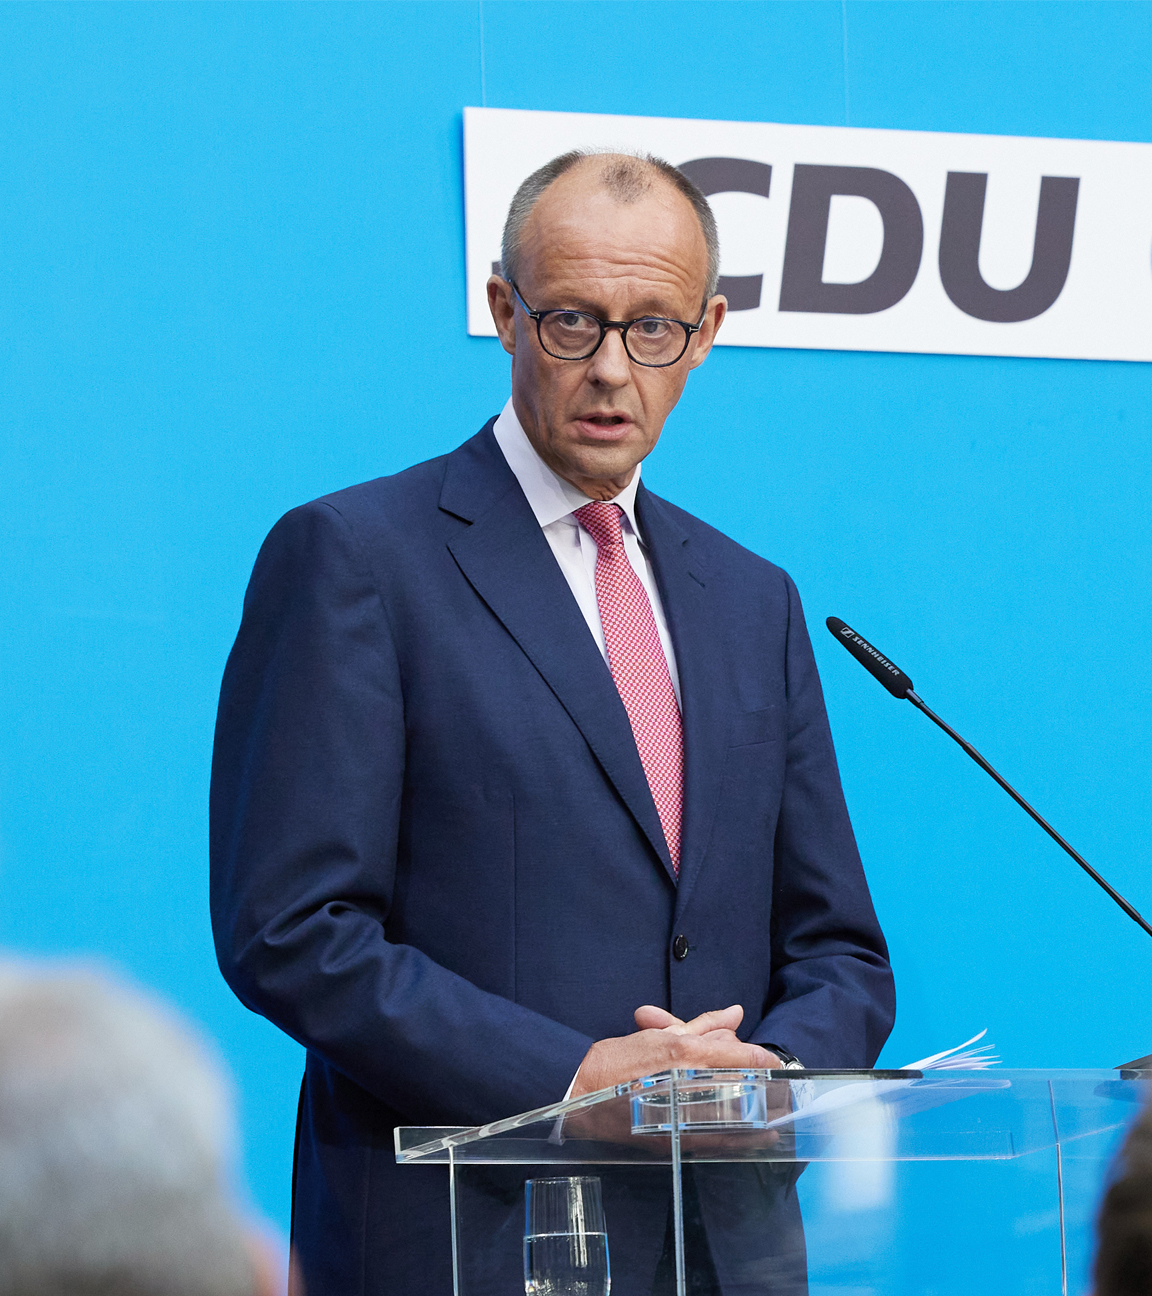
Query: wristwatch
point(788, 1061)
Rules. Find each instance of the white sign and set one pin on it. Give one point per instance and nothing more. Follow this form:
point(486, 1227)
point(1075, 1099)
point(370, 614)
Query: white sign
point(875, 240)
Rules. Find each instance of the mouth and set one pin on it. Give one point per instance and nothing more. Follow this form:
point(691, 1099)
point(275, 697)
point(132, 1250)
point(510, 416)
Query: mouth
point(604, 424)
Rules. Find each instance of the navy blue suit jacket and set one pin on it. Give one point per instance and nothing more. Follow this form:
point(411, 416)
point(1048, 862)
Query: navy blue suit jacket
point(436, 861)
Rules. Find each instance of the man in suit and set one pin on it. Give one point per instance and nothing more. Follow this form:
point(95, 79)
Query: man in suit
point(522, 778)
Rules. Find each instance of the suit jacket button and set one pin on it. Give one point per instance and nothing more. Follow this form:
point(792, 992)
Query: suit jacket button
point(680, 947)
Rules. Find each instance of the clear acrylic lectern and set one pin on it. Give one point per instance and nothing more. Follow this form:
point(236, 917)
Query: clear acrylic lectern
point(778, 1183)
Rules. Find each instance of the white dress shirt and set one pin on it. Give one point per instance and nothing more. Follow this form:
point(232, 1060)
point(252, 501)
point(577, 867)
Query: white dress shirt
point(554, 500)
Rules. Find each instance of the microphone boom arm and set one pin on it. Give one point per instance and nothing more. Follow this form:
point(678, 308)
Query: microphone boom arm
point(1130, 910)
point(900, 686)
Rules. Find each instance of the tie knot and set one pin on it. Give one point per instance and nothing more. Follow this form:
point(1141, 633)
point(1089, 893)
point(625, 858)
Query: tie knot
point(601, 520)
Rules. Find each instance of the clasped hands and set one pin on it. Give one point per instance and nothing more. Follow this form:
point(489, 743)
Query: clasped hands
point(662, 1041)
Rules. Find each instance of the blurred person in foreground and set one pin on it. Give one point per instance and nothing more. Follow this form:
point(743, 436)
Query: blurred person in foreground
point(1124, 1258)
point(115, 1134)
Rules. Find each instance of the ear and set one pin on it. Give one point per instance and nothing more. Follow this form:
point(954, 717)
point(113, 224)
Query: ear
point(714, 314)
point(503, 308)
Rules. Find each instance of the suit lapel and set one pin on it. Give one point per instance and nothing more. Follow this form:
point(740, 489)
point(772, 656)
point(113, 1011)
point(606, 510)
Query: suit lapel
point(691, 613)
point(506, 559)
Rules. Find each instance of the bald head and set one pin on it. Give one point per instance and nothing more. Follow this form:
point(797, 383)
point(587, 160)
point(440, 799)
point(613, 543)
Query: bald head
point(626, 179)
point(582, 230)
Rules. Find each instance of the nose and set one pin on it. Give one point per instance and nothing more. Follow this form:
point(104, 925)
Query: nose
point(610, 366)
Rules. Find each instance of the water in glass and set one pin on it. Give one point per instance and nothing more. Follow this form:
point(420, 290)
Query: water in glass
point(565, 1242)
point(566, 1264)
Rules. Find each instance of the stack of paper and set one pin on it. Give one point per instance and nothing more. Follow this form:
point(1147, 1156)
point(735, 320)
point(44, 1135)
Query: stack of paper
point(961, 1058)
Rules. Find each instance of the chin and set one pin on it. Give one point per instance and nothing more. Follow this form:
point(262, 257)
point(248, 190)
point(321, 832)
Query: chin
point(605, 468)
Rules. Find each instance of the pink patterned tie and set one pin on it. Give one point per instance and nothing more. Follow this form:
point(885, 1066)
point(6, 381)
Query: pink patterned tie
point(639, 667)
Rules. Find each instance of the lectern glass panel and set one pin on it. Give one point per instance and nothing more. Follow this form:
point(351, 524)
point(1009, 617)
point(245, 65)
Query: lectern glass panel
point(756, 1183)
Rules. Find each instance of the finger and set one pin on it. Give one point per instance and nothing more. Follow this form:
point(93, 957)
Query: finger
point(718, 1019)
point(728, 1037)
point(722, 1037)
point(723, 1053)
point(763, 1059)
point(649, 1017)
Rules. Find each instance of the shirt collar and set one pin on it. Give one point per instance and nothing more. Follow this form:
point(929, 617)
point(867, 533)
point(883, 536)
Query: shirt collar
point(549, 496)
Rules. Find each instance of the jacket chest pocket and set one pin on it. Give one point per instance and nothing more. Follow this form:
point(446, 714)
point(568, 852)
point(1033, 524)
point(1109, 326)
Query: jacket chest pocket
point(750, 728)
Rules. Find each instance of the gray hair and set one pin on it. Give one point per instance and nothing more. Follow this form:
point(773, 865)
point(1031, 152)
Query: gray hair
point(115, 1143)
point(627, 177)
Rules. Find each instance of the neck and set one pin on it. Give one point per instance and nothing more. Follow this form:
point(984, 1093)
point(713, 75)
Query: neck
point(598, 488)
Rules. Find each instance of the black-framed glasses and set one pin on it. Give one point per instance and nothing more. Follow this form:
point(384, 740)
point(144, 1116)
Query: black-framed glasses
point(650, 340)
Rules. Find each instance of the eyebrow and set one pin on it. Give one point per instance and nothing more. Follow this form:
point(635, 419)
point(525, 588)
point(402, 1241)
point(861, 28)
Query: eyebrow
point(576, 302)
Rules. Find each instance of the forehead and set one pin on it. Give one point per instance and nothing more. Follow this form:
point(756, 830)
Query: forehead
point(579, 238)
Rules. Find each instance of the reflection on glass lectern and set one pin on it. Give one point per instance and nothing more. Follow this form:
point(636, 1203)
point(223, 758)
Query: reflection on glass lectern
point(761, 1183)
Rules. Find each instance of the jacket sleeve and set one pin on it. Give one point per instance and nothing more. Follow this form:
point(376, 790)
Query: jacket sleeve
point(832, 1001)
point(307, 783)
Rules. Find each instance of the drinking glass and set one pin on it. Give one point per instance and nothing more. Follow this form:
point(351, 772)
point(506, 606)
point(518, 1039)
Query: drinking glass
point(565, 1244)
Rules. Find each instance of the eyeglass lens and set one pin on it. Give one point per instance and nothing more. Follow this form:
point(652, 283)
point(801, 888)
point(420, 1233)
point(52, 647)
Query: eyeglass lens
point(572, 335)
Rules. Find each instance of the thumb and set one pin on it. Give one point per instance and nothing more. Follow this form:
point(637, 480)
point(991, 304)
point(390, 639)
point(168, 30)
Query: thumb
point(649, 1017)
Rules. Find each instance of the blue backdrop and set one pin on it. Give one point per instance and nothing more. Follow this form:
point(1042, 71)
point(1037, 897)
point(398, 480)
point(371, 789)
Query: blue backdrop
point(231, 279)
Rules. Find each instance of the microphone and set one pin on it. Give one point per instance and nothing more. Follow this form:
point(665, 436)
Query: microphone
point(900, 686)
point(892, 677)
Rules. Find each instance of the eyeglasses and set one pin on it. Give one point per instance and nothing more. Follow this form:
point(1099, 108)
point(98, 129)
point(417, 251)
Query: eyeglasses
point(576, 335)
